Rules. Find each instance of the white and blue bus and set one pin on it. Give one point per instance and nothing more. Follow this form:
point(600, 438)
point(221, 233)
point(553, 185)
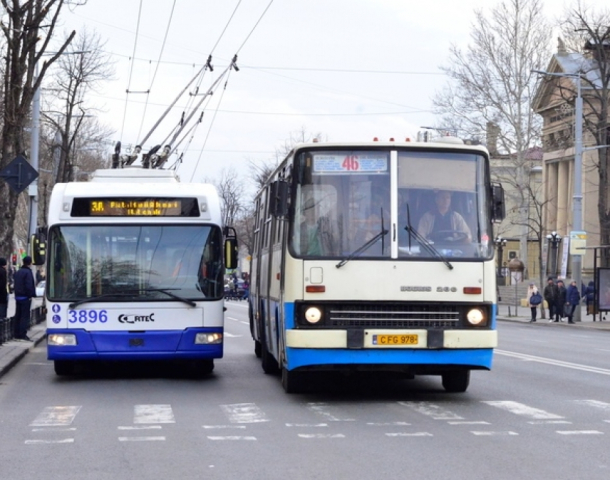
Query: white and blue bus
point(355, 266)
point(135, 270)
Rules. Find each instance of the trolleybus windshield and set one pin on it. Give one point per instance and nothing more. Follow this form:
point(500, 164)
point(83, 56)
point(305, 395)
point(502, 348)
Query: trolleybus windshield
point(121, 263)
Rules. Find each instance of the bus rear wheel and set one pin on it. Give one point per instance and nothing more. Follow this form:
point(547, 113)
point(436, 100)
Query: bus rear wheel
point(456, 382)
point(269, 364)
point(63, 367)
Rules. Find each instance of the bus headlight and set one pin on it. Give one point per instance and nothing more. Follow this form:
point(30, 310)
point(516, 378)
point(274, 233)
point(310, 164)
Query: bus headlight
point(313, 314)
point(476, 316)
point(61, 339)
point(208, 338)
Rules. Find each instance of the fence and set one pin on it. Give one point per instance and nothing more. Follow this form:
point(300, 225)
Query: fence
point(7, 325)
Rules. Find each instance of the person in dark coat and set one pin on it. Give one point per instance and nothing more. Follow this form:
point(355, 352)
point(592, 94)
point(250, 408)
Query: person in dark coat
point(25, 290)
point(550, 295)
point(573, 299)
point(3, 288)
point(560, 301)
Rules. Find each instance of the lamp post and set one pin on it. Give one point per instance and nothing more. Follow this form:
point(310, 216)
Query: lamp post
point(554, 240)
point(500, 243)
point(577, 193)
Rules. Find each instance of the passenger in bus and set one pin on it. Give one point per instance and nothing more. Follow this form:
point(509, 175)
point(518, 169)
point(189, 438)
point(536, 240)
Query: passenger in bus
point(315, 232)
point(443, 223)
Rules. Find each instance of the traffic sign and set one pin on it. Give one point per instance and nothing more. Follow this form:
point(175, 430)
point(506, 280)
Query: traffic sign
point(578, 243)
point(19, 174)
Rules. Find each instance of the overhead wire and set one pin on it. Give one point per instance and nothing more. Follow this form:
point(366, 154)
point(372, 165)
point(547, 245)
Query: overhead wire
point(169, 22)
point(135, 44)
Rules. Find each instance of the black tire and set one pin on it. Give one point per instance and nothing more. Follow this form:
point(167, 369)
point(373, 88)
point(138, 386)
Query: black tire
point(257, 349)
point(63, 367)
point(456, 382)
point(293, 382)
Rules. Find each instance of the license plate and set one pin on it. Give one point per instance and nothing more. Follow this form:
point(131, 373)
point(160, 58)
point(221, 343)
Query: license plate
point(395, 339)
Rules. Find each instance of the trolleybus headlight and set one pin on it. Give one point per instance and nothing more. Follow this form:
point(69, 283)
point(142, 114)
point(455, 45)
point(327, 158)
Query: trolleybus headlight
point(313, 314)
point(208, 338)
point(476, 316)
point(61, 339)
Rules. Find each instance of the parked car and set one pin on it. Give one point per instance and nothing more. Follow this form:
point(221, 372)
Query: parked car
point(40, 288)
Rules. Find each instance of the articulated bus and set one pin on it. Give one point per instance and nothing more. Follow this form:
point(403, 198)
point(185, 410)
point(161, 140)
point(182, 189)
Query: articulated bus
point(376, 256)
point(135, 270)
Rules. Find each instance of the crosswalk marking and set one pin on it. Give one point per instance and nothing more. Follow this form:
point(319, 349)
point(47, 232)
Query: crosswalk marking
point(43, 442)
point(56, 416)
point(323, 409)
point(406, 434)
point(490, 434)
point(523, 410)
point(595, 403)
point(321, 435)
point(244, 413)
point(232, 438)
point(143, 427)
point(153, 414)
point(579, 432)
point(141, 439)
point(431, 410)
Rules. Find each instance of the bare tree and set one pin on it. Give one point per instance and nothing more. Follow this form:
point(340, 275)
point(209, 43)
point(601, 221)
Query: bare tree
point(27, 27)
point(589, 32)
point(231, 191)
point(492, 84)
point(79, 72)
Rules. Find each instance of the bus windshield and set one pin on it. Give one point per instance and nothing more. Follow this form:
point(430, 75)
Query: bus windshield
point(436, 205)
point(135, 263)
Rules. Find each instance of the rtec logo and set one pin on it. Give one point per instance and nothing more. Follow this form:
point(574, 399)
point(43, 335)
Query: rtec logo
point(129, 318)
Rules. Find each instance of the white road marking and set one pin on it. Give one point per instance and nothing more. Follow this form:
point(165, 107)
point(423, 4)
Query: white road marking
point(579, 432)
point(404, 434)
point(153, 414)
point(557, 363)
point(389, 424)
point(231, 335)
point(549, 422)
point(307, 425)
point(141, 439)
point(51, 429)
point(210, 427)
point(322, 409)
point(521, 409)
point(145, 427)
point(56, 416)
point(232, 438)
point(490, 434)
point(481, 422)
point(244, 413)
point(595, 403)
point(321, 435)
point(431, 410)
point(41, 442)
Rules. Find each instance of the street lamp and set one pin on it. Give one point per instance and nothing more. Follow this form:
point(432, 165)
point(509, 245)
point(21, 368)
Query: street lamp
point(500, 243)
point(577, 194)
point(554, 240)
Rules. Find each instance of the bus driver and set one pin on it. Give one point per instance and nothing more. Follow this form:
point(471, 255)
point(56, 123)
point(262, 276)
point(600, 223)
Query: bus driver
point(443, 223)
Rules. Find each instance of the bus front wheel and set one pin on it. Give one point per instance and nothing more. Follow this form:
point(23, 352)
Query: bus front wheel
point(456, 382)
point(63, 367)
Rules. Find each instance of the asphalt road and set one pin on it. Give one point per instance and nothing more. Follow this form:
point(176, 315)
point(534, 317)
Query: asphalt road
point(543, 412)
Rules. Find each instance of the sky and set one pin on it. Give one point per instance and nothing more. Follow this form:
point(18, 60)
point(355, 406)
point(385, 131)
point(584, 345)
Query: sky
point(350, 70)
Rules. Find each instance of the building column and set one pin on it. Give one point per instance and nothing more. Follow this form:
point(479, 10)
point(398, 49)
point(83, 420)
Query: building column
point(563, 196)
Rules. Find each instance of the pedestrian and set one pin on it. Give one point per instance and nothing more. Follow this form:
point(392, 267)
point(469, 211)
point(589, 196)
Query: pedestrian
point(534, 299)
point(3, 288)
point(573, 299)
point(560, 301)
point(590, 297)
point(25, 290)
point(550, 295)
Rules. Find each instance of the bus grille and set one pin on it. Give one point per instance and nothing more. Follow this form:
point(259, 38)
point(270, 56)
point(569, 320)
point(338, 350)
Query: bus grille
point(394, 316)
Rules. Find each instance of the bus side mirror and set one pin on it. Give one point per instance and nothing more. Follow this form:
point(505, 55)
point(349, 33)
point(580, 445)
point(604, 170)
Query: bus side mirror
point(39, 248)
point(278, 202)
point(498, 207)
point(231, 248)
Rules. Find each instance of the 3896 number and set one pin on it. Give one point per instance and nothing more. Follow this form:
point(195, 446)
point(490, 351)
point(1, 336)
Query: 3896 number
point(87, 316)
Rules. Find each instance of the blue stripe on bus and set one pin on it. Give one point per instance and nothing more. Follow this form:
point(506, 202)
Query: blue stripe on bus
point(300, 357)
point(115, 345)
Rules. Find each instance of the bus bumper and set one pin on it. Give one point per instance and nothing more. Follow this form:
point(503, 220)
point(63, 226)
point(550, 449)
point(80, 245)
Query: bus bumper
point(150, 345)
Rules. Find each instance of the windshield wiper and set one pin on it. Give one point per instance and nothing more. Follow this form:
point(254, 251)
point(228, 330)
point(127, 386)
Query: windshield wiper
point(424, 242)
point(167, 292)
point(94, 299)
point(361, 249)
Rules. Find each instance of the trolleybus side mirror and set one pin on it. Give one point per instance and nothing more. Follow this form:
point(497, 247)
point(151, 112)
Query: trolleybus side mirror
point(39, 247)
point(230, 247)
point(498, 207)
point(278, 201)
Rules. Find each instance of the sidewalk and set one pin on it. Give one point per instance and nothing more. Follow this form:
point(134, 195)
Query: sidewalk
point(523, 314)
